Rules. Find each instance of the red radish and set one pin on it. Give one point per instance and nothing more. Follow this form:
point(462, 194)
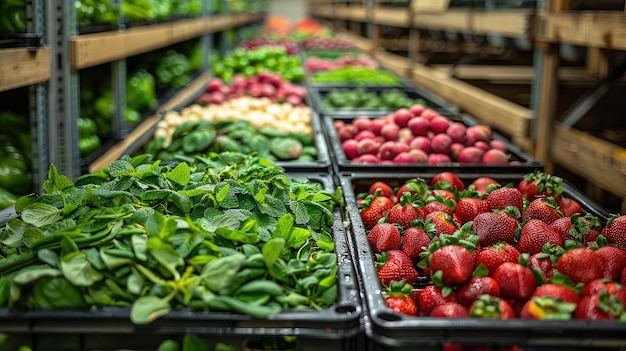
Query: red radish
point(420, 143)
point(364, 134)
point(294, 100)
point(403, 157)
point(482, 145)
point(348, 131)
point(441, 143)
point(338, 124)
point(498, 144)
point(215, 84)
point(367, 158)
point(456, 130)
point(362, 123)
point(390, 132)
point(268, 90)
point(435, 158)
point(455, 149)
point(418, 155)
point(350, 148)
point(402, 147)
point(417, 109)
point(405, 134)
point(376, 125)
point(367, 146)
point(470, 154)
point(418, 125)
point(429, 114)
point(439, 124)
point(495, 156)
point(401, 117)
point(388, 150)
point(476, 133)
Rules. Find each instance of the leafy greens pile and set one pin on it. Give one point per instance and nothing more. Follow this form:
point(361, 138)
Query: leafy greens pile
point(226, 232)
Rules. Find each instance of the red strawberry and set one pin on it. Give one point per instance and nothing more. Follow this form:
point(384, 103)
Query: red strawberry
point(416, 187)
point(557, 291)
point(443, 222)
point(497, 226)
point(543, 208)
point(595, 286)
point(493, 256)
point(450, 310)
point(435, 206)
point(476, 286)
point(569, 206)
point(395, 265)
point(600, 306)
point(501, 198)
point(431, 297)
point(415, 240)
point(372, 209)
point(492, 307)
point(622, 277)
point(447, 180)
point(580, 265)
point(380, 188)
point(451, 258)
point(515, 280)
point(581, 229)
point(467, 208)
point(445, 195)
point(547, 307)
point(484, 185)
point(384, 237)
point(615, 231)
point(405, 211)
point(540, 183)
point(399, 297)
point(535, 233)
point(611, 260)
point(543, 262)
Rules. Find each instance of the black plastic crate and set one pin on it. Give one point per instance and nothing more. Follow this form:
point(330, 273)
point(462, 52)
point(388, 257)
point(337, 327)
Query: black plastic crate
point(524, 163)
point(110, 328)
point(387, 330)
point(430, 100)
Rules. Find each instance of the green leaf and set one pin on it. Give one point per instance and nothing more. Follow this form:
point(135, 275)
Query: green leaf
point(192, 342)
point(57, 292)
point(49, 257)
point(298, 237)
point(222, 193)
point(283, 227)
point(32, 273)
point(220, 221)
point(219, 273)
point(120, 168)
point(39, 214)
point(31, 234)
point(186, 243)
point(300, 210)
point(56, 182)
point(68, 246)
point(139, 244)
point(135, 282)
point(168, 345)
point(180, 174)
point(183, 202)
point(165, 254)
point(151, 195)
point(77, 269)
point(148, 308)
point(113, 261)
point(272, 249)
point(238, 235)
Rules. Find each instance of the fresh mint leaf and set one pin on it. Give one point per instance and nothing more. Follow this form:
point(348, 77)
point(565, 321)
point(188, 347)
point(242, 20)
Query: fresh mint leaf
point(56, 182)
point(298, 237)
point(283, 227)
point(301, 214)
point(183, 202)
point(165, 254)
point(148, 308)
point(41, 215)
point(272, 206)
point(180, 174)
point(272, 250)
point(120, 168)
point(32, 273)
point(219, 273)
point(78, 271)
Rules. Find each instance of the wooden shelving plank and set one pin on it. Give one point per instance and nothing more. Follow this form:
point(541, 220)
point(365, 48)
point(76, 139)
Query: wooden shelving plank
point(509, 23)
point(605, 29)
point(517, 74)
point(453, 20)
point(596, 160)
point(143, 130)
point(353, 13)
point(397, 17)
point(359, 42)
point(22, 67)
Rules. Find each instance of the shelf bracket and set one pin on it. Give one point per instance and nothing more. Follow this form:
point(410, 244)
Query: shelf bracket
point(586, 102)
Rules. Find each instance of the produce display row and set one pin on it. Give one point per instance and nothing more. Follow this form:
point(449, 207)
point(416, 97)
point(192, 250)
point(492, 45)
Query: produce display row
point(258, 217)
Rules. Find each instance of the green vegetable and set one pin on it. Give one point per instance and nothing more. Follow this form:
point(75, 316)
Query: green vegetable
point(173, 70)
point(201, 234)
point(360, 98)
point(286, 148)
point(96, 12)
point(14, 177)
point(13, 16)
point(6, 198)
point(88, 145)
point(357, 75)
point(87, 126)
point(141, 90)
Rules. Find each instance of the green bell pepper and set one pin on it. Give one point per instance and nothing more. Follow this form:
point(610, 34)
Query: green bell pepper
point(86, 127)
point(141, 91)
point(89, 145)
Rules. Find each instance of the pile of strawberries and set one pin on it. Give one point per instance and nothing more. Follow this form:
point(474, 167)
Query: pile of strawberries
point(491, 250)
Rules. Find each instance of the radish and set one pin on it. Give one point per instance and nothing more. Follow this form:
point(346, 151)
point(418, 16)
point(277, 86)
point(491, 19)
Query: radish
point(390, 132)
point(421, 143)
point(455, 149)
point(403, 157)
point(388, 150)
point(498, 144)
point(482, 145)
point(367, 158)
point(418, 125)
point(456, 130)
point(439, 124)
point(350, 148)
point(364, 134)
point(435, 158)
point(367, 146)
point(416, 110)
point(362, 123)
point(441, 143)
point(348, 131)
point(418, 155)
point(476, 133)
point(495, 156)
point(470, 154)
point(405, 134)
point(401, 117)
point(376, 125)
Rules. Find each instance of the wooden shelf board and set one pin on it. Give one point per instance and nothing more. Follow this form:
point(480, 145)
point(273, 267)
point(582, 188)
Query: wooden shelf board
point(513, 73)
point(140, 132)
point(596, 160)
point(605, 29)
point(457, 20)
point(360, 42)
point(352, 13)
point(22, 67)
point(510, 23)
point(397, 17)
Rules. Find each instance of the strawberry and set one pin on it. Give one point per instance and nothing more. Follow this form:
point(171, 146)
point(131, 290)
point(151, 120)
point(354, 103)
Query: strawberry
point(516, 281)
point(416, 187)
point(543, 208)
point(540, 183)
point(484, 185)
point(384, 237)
point(491, 257)
point(547, 307)
point(600, 306)
point(581, 229)
point(431, 297)
point(395, 265)
point(444, 194)
point(448, 181)
point(405, 211)
point(501, 198)
point(622, 277)
point(615, 231)
point(595, 286)
point(399, 297)
point(450, 258)
point(611, 260)
point(543, 263)
point(467, 208)
point(450, 310)
point(491, 307)
point(569, 206)
point(557, 291)
point(380, 188)
point(443, 222)
point(373, 208)
point(580, 265)
point(415, 240)
point(535, 233)
point(435, 206)
point(496, 226)
point(476, 286)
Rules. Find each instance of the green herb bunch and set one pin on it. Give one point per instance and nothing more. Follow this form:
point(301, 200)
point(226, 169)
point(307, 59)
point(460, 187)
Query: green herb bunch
point(225, 232)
